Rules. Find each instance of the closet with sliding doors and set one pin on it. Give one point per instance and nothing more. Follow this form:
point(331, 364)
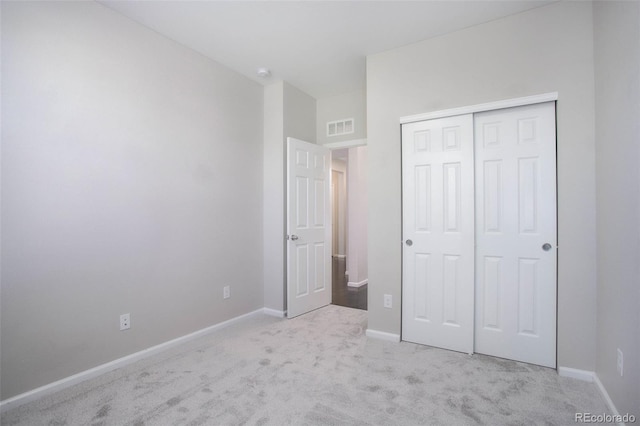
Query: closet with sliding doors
point(480, 230)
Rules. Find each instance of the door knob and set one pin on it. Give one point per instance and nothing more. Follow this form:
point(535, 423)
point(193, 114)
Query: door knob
point(546, 247)
point(294, 237)
point(409, 243)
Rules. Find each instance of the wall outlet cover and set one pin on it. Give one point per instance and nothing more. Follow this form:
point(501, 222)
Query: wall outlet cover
point(388, 301)
point(125, 322)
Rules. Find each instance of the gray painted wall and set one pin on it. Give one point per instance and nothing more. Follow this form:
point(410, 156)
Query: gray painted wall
point(617, 77)
point(544, 50)
point(357, 205)
point(349, 105)
point(122, 157)
point(299, 114)
point(273, 197)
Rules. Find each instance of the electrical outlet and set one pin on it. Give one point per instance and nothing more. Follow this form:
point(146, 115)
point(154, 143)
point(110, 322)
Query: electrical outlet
point(388, 301)
point(226, 292)
point(620, 363)
point(125, 322)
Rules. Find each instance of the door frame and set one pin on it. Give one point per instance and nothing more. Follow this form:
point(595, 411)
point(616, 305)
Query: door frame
point(345, 144)
point(489, 106)
point(338, 210)
point(473, 109)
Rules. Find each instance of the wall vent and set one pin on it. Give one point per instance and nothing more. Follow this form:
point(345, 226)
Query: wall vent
point(340, 127)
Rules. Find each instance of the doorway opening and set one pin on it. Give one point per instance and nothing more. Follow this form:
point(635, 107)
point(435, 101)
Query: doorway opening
point(349, 227)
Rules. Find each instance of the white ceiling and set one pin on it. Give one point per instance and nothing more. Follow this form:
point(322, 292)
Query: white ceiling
point(318, 46)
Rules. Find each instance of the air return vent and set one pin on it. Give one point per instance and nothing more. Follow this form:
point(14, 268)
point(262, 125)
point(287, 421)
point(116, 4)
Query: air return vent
point(340, 127)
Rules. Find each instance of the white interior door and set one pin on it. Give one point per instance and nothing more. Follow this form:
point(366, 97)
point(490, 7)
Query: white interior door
point(515, 157)
point(308, 227)
point(438, 233)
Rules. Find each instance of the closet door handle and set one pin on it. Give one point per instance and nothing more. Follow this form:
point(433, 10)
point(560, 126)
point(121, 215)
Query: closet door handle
point(546, 247)
point(409, 243)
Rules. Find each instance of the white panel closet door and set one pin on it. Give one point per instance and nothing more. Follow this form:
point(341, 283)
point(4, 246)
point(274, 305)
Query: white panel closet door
point(515, 162)
point(308, 227)
point(438, 230)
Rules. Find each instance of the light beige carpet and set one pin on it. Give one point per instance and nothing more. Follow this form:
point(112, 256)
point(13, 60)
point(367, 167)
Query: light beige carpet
point(317, 369)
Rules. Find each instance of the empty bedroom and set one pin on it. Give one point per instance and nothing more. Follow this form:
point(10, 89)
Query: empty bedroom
point(180, 182)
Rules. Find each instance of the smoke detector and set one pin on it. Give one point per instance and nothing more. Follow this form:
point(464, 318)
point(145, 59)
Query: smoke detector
point(263, 72)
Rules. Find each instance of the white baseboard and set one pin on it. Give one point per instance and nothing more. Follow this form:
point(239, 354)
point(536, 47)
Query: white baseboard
point(584, 375)
point(591, 376)
point(381, 335)
point(360, 284)
point(274, 312)
point(607, 398)
point(56, 386)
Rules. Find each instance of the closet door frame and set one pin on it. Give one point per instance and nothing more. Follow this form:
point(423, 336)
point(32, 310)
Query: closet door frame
point(489, 106)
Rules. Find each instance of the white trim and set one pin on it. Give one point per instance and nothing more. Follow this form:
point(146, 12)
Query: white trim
point(381, 335)
point(607, 398)
point(274, 312)
point(592, 377)
point(345, 144)
point(91, 373)
point(360, 284)
point(489, 106)
point(584, 375)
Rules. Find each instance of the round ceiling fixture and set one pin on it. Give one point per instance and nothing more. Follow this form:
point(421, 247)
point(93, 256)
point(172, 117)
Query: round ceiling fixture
point(264, 72)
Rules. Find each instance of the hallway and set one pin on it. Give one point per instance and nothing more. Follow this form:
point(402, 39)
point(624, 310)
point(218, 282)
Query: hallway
point(343, 295)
